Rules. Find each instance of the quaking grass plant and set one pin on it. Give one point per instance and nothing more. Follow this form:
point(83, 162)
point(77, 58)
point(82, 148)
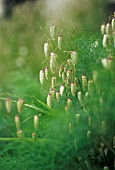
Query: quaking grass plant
point(76, 123)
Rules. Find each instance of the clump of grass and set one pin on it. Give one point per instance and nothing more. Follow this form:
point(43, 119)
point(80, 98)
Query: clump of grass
point(73, 127)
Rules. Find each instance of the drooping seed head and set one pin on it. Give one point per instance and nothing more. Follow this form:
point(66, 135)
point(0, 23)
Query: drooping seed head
point(89, 135)
point(105, 40)
point(69, 102)
point(53, 62)
point(52, 92)
point(69, 75)
point(113, 24)
point(70, 128)
point(34, 136)
point(46, 49)
point(66, 109)
point(49, 100)
point(103, 29)
point(60, 42)
point(53, 81)
point(46, 72)
point(36, 121)
point(108, 29)
point(17, 122)
point(42, 76)
point(58, 96)
point(53, 30)
point(8, 104)
point(74, 57)
point(62, 89)
point(106, 168)
point(73, 88)
point(20, 105)
point(84, 82)
point(80, 97)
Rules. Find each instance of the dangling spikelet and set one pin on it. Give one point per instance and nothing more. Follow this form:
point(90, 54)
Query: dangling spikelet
point(49, 100)
point(113, 24)
point(62, 89)
point(53, 62)
point(53, 81)
point(89, 135)
point(80, 97)
point(34, 136)
point(105, 40)
point(42, 76)
point(36, 121)
point(20, 105)
point(60, 42)
point(74, 57)
point(69, 75)
point(69, 102)
point(106, 168)
point(73, 88)
point(46, 49)
point(8, 104)
point(66, 109)
point(103, 29)
point(108, 30)
point(46, 72)
point(53, 30)
point(17, 122)
point(84, 82)
point(70, 128)
point(52, 92)
point(58, 96)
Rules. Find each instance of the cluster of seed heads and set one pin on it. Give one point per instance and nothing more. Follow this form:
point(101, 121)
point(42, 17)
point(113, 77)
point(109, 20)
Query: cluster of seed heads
point(108, 32)
point(17, 119)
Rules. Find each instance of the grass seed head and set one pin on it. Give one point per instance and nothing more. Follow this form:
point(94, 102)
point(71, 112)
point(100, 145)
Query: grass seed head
point(46, 73)
point(113, 24)
point(58, 96)
point(17, 122)
point(62, 89)
point(103, 29)
point(105, 40)
point(42, 77)
point(69, 102)
point(73, 88)
point(74, 57)
point(20, 105)
point(36, 121)
point(60, 42)
point(46, 49)
point(53, 30)
point(34, 136)
point(84, 82)
point(106, 168)
point(49, 100)
point(8, 104)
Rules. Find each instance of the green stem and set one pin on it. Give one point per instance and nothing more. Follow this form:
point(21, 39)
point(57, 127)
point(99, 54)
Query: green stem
point(27, 139)
point(32, 107)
